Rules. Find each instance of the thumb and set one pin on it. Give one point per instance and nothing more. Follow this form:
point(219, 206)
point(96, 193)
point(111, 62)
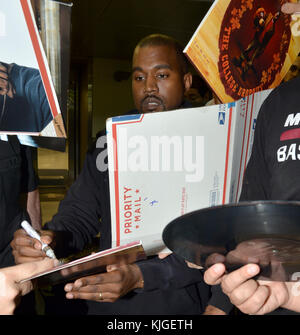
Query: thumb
point(111, 267)
point(17, 273)
point(46, 237)
point(213, 275)
point(27, 270)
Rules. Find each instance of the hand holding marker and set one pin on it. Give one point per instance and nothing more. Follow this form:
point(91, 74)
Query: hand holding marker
point(31, 232)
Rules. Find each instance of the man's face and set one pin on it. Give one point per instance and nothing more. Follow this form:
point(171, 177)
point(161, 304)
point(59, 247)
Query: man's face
point(158, 83)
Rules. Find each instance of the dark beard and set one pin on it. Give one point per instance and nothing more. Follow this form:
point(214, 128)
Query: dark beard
point(155, 98)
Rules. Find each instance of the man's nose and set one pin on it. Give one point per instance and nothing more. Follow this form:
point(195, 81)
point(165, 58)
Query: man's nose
point(150, 85)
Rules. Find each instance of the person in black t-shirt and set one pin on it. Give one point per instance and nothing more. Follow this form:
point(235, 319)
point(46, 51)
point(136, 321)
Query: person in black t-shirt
point(272, 174)
point(19, 196)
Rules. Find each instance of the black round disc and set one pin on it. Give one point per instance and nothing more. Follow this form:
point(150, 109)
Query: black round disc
point(262, 232)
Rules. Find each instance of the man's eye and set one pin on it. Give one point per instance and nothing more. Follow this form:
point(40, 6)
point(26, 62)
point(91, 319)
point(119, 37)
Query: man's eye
point(162, 75)
point(139, 78)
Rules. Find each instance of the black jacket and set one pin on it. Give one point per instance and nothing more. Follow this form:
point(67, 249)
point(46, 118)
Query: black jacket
point(17, 175)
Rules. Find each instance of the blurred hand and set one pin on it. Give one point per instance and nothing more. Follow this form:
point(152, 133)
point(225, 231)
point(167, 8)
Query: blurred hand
point(193, 266)
point(249, 295)
point(106, 287)
point(28, 249)
point(290, 8)
point(163, 255)
point(10, 288)
point(212, 310)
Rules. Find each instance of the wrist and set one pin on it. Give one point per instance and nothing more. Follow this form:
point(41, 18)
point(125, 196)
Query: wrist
point(140, 284)
point(212, 310)
point(290, 301)
point(139, 277)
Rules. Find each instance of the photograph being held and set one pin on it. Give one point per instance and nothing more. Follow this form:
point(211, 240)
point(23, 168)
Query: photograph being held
point(24, 105)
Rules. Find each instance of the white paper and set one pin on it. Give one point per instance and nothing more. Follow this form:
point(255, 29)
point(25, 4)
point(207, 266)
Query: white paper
point(145, 195)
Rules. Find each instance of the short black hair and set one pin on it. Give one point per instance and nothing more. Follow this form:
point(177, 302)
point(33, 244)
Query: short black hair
point(164, 40)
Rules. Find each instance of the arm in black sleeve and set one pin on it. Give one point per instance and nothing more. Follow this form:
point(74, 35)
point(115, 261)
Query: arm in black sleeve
point(220, 300)
point(29, 180)
point(78, 217)
point(169, 273)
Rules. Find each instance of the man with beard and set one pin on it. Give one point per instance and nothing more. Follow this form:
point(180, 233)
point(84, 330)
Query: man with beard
point(160, 78)
point(24, 106)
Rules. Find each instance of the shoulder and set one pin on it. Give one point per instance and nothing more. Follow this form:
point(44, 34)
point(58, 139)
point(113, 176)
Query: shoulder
point(186, 104)
point(286, 90)
point(276, 108)
point(23, 71)
point(97, 153)
point(101, 135)
point(99, 143)
point(283, 100)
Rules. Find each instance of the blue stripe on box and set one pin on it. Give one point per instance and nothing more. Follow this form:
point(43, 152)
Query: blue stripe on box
point(231, 104)
point(126, 118)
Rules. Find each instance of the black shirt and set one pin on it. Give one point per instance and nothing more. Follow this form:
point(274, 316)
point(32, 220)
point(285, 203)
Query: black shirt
point(274, 167)
point(273, 170)
point(16, 176)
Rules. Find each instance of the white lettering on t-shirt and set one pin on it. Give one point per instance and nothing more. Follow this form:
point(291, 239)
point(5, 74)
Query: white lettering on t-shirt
point(285, 153)
point(292, 120)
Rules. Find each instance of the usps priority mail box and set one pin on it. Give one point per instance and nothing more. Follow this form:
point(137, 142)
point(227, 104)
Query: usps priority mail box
point(163, 165)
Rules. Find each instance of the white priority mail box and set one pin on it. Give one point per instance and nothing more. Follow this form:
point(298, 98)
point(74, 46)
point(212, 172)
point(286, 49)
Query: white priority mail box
point(163, 165)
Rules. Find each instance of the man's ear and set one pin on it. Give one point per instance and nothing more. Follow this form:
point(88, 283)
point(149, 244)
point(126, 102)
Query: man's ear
point(187, 80)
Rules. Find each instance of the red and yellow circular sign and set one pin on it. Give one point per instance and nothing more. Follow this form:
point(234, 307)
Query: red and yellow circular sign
point(254, 40)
